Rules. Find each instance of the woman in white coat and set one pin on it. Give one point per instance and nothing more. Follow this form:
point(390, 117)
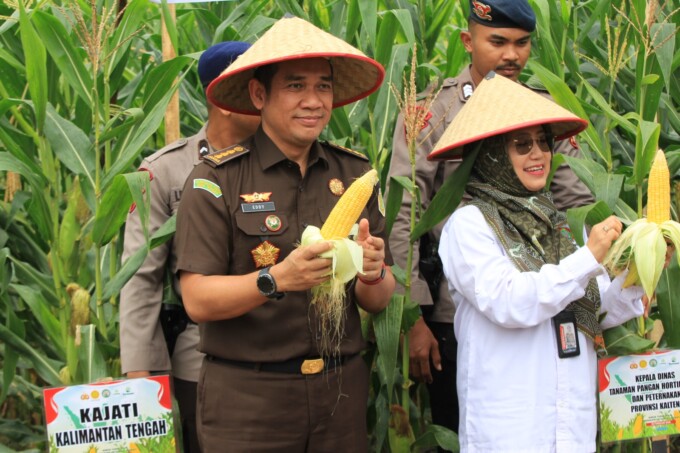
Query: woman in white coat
point(530, 304)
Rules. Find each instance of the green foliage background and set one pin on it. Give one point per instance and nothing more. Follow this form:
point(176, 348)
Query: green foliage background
point(83, 91)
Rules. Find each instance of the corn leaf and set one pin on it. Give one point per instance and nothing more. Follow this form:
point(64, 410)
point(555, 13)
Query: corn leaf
point(113, 211)
point(620, 340)
point(561, 93)
point(41, 310)
point(70, 144)
point(64, 54)
point(386, 325)
point(394, 199)
point(134, 14)
point(590, 214)
point(46, 368)
point(668, 301)
point(91, 363)
point(447, 198)
point(170, 26)
point(437, 436)
point(606, 108)
point(368, 9)
point(129, 146)
point(646, 145)
point(36, 58)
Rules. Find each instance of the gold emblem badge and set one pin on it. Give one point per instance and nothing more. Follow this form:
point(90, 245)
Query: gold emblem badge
point(312, 366)
point(256, 197)
point(273, 223)
point(265, 254)
point(336, 186)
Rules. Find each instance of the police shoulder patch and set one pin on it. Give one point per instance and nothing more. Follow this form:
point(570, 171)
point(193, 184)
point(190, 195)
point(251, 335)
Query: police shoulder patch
point(225, 155)
point(346, 150)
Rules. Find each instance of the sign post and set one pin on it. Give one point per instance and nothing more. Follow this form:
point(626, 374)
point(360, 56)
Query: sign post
point(111, 416)
point(639, 395)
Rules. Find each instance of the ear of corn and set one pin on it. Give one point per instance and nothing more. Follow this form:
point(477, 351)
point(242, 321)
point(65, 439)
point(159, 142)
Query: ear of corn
point(328, 297)
point(659, 191)
point(641, 248)
point(348, 209)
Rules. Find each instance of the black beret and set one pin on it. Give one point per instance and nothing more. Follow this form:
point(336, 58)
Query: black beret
point(217, 58)
point(503, 14)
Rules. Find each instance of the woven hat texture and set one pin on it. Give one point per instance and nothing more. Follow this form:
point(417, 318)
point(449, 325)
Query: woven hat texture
point(355, 75)
point(499, 105)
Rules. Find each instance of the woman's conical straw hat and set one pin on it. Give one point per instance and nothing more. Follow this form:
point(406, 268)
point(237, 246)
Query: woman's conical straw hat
point(355, 75)
point(497, 106)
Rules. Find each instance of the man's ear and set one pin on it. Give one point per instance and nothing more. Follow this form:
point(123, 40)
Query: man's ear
point(257, 92)
point(466, 39)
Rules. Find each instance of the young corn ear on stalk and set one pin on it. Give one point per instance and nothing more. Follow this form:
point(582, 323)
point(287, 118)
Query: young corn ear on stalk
point(347, 258)
point(641, 248)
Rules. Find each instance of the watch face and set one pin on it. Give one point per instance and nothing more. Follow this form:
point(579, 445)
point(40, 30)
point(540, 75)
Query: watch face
point(265, 284)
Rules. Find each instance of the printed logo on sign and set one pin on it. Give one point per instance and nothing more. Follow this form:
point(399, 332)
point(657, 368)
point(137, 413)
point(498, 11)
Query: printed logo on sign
point(208, 186)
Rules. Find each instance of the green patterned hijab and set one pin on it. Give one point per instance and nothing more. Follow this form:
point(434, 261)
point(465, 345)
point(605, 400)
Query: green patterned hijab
point(530, 228)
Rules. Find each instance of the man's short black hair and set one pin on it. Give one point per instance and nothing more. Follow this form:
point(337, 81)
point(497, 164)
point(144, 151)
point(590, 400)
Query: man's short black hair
point(265, 74)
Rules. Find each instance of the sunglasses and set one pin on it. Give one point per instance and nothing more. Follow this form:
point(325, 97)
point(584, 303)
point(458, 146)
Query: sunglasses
point(525, 143)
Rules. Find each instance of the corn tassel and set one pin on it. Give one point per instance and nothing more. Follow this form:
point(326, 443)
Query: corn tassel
point(348, 209)
point(659, 191)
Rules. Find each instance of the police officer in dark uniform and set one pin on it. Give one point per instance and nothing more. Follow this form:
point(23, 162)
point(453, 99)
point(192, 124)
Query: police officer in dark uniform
point(144, 347)
point(498, 39)
point(264, 385)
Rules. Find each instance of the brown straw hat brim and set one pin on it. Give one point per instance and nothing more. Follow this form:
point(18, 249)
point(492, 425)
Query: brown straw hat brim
point(498, 106)
point(355, 75)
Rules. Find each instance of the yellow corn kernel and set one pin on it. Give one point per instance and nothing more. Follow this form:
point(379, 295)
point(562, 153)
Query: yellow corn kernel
point(348, 208)
point(659, 191)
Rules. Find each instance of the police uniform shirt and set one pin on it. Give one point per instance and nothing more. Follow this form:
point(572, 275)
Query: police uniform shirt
point(142, 344)
point(568, 191)
point(222, 229)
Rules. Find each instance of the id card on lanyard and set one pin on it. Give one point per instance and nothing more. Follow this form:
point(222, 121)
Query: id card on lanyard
point(566, 334)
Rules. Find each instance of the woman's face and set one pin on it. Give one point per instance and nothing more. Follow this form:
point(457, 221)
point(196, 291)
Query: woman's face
point(530, 155)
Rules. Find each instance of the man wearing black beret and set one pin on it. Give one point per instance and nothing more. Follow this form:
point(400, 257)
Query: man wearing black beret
point(498, 39)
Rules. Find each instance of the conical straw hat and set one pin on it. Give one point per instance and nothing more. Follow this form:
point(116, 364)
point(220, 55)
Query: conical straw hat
point(355, 75)
point(500, 105)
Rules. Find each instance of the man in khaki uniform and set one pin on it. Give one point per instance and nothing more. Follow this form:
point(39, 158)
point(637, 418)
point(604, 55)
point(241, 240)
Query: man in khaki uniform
point(499, 39)
point(266, 384)
point(143, 346)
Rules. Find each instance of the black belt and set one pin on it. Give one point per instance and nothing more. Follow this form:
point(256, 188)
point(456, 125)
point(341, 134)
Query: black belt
point(299, 365)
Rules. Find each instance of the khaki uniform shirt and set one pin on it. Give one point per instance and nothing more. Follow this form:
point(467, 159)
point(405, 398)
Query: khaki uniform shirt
point(245, 208)
point(142, 345)
point(568, 191)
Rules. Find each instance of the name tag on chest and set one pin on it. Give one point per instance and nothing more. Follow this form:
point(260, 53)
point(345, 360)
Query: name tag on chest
point(267, 206)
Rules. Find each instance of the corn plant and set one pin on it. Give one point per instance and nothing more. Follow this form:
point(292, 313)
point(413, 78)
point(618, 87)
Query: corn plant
point(83, 90)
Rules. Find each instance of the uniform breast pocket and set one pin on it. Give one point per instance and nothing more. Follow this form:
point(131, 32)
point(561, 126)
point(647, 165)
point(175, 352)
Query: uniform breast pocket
point(258, 224)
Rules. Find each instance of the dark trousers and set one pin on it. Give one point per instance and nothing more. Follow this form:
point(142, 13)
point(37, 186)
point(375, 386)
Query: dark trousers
point(185, 393)
point(243, 410)
point(442, 390)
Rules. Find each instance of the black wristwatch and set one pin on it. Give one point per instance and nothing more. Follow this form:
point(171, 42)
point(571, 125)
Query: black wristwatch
point(267, 285)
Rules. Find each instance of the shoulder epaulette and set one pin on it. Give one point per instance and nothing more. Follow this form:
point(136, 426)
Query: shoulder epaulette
point(225, 155)
point(450, 82)
point(166, 149)
point(346, 150)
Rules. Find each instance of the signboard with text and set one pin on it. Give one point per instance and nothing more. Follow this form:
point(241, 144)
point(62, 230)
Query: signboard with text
point(639, 395)
point(114, 416)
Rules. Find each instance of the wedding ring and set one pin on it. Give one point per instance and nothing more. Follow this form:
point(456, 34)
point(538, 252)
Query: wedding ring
point(605, 228)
